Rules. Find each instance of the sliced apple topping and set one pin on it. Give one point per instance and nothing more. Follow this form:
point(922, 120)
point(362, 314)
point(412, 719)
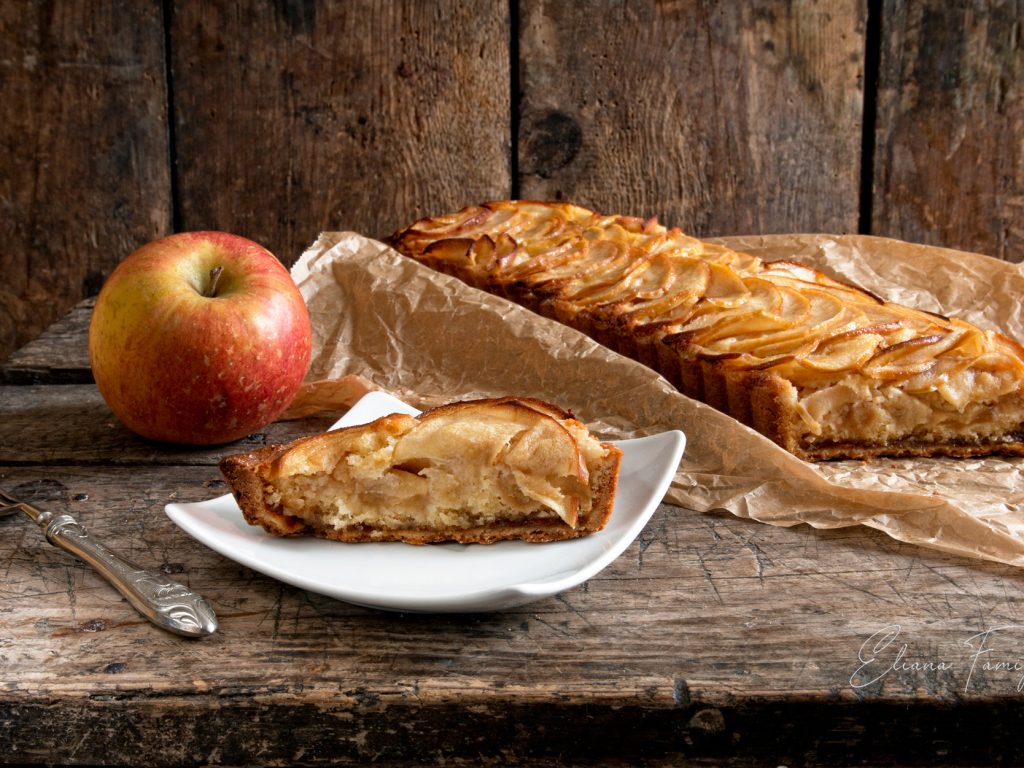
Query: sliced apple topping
point(795, 307)
point(789, 345)
point(739, 330)
point(540, 454)
point(761, 297)
point(453, 250)
point(971, 343)
point(608, 284)
point(812, 275)
point(904, 359)
point(771, 317)
point(743, 263)
point(679, 243)
point(487, 252)
point(544, 229)
point(913, 356)
point(449, 224)
point(653, 279)
point(843, 352)
point(670, 321)
point(483, 253)
point(801, 276)
point(725, 334)
point(525, 262)
point(824, 313)
point(506, 222)
point(659, 284)
point(613, 285)
point(793, 269)
point(689, 282)
point(919, 322)
point(725, 287)
point(596, 258)
point(593, 259)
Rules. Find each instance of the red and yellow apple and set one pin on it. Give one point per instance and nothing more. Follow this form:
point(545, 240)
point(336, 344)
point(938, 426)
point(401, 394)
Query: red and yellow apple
point(199, 338)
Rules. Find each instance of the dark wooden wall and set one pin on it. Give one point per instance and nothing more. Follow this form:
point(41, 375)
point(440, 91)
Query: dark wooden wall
point(278, 119)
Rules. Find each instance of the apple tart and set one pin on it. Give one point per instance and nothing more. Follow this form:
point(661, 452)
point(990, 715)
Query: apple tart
point(478, 471)
point(825, 369)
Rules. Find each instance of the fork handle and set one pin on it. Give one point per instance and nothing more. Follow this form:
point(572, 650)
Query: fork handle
point(166, 603)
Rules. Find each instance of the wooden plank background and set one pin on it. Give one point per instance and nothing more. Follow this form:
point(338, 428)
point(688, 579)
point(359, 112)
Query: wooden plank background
point(279, 120)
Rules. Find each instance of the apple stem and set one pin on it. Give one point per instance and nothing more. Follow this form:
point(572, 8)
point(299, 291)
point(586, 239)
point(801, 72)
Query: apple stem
point(214, 277)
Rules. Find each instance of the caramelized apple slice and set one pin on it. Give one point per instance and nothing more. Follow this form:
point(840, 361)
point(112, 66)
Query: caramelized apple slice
point(527, 261)
point(547, 227)
point(540, 453)
point(825, 313)
point(792, 347)
point(448, 225)
point(725, 287)
point(787, 309)
point(654, 278)
point(905, 359)
point(724, 333)
point(972, 341)
point(689, 282)
point(610, 286)
point(669, 322)
point(452, 250)
point(762, 299)
point(509, 222)
point(795, 307)
point(594, 259)
point(321, 454)
point(652, 282)
point(487, 252)
point(792, 270)
point(843, 352)
point(855, 297)
point(743, 263)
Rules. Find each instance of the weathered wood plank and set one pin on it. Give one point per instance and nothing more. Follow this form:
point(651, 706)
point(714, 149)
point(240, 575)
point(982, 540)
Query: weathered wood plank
point(717, 118)
point(298, 117)
point(709, 636)
point(949, 164)
point(72, 424)
point(59, 355)
point(83, 147)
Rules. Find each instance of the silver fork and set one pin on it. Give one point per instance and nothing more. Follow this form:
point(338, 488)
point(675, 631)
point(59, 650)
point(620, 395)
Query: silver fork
point(164, 602)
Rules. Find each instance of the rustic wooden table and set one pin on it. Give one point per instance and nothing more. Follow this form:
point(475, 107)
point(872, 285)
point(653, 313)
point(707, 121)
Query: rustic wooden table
point(711, 638)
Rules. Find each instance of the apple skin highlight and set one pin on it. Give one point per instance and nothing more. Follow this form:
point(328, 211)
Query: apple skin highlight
point(178, 366)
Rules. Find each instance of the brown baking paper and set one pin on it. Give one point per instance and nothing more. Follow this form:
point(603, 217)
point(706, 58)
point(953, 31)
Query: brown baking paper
point(383, 321)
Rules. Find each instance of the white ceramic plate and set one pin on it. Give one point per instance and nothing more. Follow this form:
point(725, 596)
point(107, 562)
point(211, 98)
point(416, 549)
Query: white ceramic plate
point(441, 577)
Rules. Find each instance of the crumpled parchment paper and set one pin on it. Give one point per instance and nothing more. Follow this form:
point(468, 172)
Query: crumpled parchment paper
point(383, 321)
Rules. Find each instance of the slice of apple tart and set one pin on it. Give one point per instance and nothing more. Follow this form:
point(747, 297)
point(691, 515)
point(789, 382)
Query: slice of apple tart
point(479, 471)
point(823, 368)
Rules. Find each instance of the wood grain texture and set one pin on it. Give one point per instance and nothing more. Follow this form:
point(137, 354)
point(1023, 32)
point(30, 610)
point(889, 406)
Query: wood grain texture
point(710, 636)
point(67, 424)
point(83, 147)
point(64, 341)
point(949, 163)
point(292, 118)
point(718, 118)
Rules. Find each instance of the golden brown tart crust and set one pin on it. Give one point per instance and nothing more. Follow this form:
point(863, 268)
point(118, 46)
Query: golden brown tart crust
point(823, 368)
